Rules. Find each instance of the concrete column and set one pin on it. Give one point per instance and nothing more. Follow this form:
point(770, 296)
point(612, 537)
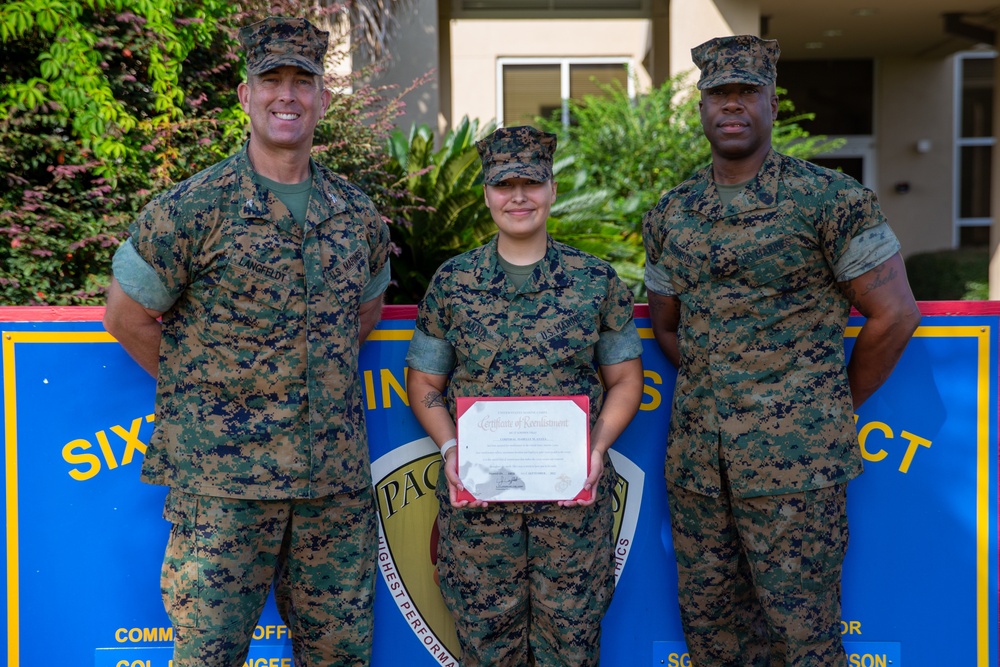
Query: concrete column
point(415, 51)
point(994, 273)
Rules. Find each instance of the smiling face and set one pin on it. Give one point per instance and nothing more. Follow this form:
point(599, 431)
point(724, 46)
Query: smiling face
point(284, 105)
point(737, 119)
point(520, 207)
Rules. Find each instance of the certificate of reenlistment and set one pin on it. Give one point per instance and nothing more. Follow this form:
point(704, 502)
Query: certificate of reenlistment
point(524, 448)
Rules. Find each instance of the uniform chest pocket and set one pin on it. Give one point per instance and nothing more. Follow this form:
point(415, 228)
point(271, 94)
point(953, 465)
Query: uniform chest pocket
point(248, 314)
point(475, 346)
point(684, 268)
point(777, 270)
point(571, 342)
point(345, 269)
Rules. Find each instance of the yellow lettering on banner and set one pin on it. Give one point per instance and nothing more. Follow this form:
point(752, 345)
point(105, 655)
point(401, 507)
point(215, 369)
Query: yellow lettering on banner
point(655, 399)
point(369, 383)
point(268, 662)
point(72, 451)
point(72, 458)
point(131, 437)
point(109, 456)
point(380, 395)
point(136, 635)
point(158, 634)
point(270, 632)
point(863, 439)
point(388, 385)
point(133, 663)
point(389, 381)
point(679, 660)
point(867, 660)
point(915, 441)
point(850, 627)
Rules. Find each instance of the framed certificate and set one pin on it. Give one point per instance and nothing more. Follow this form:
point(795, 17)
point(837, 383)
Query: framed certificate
point(524, 448)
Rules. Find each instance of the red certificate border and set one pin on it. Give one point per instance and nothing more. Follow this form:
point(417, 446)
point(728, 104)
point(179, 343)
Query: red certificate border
point(464, 403)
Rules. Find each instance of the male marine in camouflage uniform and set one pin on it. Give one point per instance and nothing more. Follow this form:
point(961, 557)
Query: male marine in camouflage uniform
point(267, 270)
point(523, 315)
point(752, 267)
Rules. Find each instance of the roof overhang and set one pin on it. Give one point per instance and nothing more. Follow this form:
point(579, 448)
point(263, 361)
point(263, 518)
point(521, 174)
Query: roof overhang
point(821, 29)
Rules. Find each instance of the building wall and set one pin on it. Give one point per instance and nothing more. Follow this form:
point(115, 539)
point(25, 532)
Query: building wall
point(914, 101)
point(415, 54)
point(994, 269)
point(696, 21)
point(477, 44)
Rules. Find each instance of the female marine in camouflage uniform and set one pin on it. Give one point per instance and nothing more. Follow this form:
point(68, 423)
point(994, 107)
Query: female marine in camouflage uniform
point(527, 583)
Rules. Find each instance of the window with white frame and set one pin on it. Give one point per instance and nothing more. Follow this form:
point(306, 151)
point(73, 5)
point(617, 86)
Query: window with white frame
point(550, 8)
point(528, 88)
point(974, 143)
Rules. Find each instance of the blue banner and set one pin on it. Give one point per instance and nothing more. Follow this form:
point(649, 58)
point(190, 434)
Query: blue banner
point(84, 538)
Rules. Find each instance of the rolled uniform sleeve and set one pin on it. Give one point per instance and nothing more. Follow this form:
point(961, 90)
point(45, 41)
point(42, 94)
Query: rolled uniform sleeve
point(377, 285)
point(618, 339)
point(139, 280)
point(614, 347)
point(854, 233)
point(658, 281)
point(656, 276)
point(866, 251)
point(430, 355)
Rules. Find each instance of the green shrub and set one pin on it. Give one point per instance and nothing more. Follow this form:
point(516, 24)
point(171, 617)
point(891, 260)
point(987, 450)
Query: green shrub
point(443, 212)
point(949, 275)
point(96, 114)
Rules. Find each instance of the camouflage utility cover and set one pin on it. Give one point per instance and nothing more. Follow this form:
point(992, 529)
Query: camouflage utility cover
point(279, 41)
point(762, 382)
point(258, 393)
point(736, 59)
point(517, 152)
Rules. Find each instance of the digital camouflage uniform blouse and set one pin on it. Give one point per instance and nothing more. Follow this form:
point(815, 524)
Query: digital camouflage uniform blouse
point(547, 339)
point(258, 391)
point(763, 383)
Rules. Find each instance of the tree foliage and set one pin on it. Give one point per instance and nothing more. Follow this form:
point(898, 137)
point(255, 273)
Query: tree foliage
point(104, 103)
point(85, 87)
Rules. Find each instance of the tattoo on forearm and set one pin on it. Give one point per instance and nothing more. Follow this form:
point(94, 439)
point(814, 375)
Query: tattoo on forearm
point(882, 277)
point(433, 399)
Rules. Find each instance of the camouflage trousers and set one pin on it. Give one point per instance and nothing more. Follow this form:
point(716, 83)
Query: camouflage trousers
point(224, 554)
point(528, 588)
point(759, 578)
